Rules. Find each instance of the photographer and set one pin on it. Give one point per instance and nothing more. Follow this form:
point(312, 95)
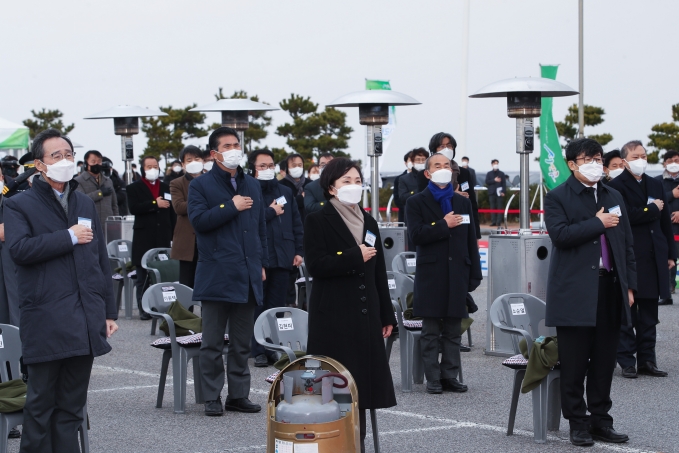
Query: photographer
point(98, 187)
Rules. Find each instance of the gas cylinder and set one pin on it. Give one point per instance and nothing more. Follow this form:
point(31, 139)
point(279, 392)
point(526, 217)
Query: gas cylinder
point(309, 407)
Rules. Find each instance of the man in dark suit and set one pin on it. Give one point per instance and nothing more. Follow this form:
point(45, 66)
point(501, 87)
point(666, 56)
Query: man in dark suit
point(592, 275)
point(655, 253)
point(409, 184)
point(441, 225)
point(670, 183)
point(408, 162)
point(497, 187)
point(464, 163)
point(149, 201)
point(314, 200)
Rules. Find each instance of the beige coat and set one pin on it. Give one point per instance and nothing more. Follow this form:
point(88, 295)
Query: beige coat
point(184, 239)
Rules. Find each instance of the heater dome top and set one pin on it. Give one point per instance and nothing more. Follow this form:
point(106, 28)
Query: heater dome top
point(226, 105)
point(544, 87)
point(387, 97)
point(126, 111)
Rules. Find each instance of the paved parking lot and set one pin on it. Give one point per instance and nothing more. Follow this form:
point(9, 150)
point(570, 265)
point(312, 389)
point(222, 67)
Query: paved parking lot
point(124, 418)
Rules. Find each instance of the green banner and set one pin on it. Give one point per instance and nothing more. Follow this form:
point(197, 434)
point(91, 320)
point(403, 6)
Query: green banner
point(377, 84)
point(553, 165)
point(17, 139)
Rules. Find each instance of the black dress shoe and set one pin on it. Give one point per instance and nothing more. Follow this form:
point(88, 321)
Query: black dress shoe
point(434, 387)
point(629, 372)
point(649, 369)
point(581, 438)
point(608, 434)
point(464, 348)
point(214, 407)
point(143, 316)
point(242, 405)
point(666, 301)
point(453, 385)
point(14, 434)
point(261, 361)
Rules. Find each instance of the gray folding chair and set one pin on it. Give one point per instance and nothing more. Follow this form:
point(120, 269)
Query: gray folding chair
point(161, 269)
point(285, 330)
point(120, 251)
point(523, 316)
point(10, 368)
point(155, 303)
point(404, 263)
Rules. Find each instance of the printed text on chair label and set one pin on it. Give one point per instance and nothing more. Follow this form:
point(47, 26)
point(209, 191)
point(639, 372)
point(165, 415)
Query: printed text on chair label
point(122, 247)
point(518, 309)
point(411, 262)
point(285, 324)
point(392, 283)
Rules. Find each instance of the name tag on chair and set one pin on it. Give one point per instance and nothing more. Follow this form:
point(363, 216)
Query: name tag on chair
point(122, 247)
point(169, 293)
point(370, 238)
point(162, 257)
point(518, 309)
point(85, 222)
point(615, 210)
point(2, 343)
point(464, 186)
point(392, 283)
point(465, 218)
point(411, 262)
point(285, 324)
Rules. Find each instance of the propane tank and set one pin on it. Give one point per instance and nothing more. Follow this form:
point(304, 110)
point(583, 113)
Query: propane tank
point(309, 407)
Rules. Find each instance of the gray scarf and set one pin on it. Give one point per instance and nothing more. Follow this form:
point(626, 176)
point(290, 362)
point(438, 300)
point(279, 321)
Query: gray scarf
point(63, 200)
point(299, 185)
point(353, 218)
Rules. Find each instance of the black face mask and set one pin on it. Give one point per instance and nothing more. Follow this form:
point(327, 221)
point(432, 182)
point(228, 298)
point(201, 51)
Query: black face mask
point(96, 169)
point(268, 186)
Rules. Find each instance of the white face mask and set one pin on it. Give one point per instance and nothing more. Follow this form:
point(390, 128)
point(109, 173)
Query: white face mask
point(615, 173)
point(176, 168)
point(152, 174)
point(419, 167)
point(673, 168)
point(592, 171)
point(231, 159)
point(314, 176)
point(409, 165)
point(296, 172)
point(2, 185)
point(194, 167)
point(464, 164)
point(265, 175)
point(350, 194)
point(207, 166)
point(442, 176)
point(495, 167)
point(62, 171)
point(447, 152)
point(637, 167)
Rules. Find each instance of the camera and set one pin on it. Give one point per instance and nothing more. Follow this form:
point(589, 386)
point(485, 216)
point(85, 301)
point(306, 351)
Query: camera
point(106, 168)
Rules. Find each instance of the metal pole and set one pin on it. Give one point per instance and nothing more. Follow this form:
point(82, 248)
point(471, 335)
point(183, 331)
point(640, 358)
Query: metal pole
point(128, 162)
point(542, 205)
point(462, 144)
point(524, 196)
point(581, 105)
point(369, 144)
point(241, 140)
point(375, 178)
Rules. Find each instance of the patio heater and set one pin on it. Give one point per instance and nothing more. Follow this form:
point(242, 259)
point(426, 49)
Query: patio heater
point(518, 261)
point(373, 112)
point(235, 113)
point(126, 124)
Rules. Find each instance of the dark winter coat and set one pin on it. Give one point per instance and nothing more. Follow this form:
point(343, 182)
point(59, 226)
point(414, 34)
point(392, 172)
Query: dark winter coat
point(314, 199)
point(668, 184)
point(284, 233)
point(448, 262)
point(232, 247)
point(652, 232)
point(575, 231)
point(466, 177)
point(493, 185)
point(299, 197)
point(66, 292)
point(349, 304)
point(107, 205)
point(397, 200)
point(153, 226)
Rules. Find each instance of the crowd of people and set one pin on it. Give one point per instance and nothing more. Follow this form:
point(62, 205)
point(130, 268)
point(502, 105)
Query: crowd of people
point(240, 234)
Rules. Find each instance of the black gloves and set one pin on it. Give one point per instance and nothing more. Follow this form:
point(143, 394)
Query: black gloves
point(106, 191)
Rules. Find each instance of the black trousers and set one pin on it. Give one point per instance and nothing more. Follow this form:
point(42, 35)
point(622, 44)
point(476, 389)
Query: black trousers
point(240, 319)
point(446, 333)
point(57, 393)
point(275, 293)
point(640, 338)
point(496, 203)
point(187, 270)
point(141, 284)
point(590, 351)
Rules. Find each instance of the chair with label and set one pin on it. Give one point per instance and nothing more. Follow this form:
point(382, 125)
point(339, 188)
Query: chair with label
point(285, 330)
point(161, 269)
point(120, 251)
point(404, 263)
point(10, 368)
point(523, 316)
point(156, 302)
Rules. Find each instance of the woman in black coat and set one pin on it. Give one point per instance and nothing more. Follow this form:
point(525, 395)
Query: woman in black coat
point(350, 310)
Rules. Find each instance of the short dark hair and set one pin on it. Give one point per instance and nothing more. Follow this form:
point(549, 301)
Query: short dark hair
point(629, 146)
point(586, 146)
point(609, 156)
point(293, 156)
point(219, 133)
point(39, 140)
point(419, 152)
point(406, 156)
point(436, 140)
point(283, 165)
point(312, 166)
point(325, 156)
point(190, 150)
point(252, 157)
point(493, 161)
point(92, 152)
point(334, 170)
point(142, 161)
point(465, 157)
point(670, 153)
point(206, 154)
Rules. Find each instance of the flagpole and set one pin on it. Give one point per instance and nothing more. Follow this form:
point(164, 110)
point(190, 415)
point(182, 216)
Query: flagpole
point(581, 105)
point(465, 75)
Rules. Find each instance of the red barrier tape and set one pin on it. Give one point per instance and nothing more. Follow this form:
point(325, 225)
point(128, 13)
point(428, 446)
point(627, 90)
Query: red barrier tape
point(483, 211)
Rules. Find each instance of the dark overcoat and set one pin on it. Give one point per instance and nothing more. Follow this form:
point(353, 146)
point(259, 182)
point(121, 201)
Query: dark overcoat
point(652, 232)
point(65, 290)
point(284, 233)
point(153, 226)
point(349, 304)
point(668, 184)
point(448, 262)
point(232, 247)
point(575, 231)
point(314, 199)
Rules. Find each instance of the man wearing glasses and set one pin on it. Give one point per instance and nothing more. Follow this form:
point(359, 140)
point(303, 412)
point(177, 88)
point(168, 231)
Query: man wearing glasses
point(227, 213)
point(655, 253)
point(313, 194)
point(68, 311)
point(590, 287)
point(285, 240)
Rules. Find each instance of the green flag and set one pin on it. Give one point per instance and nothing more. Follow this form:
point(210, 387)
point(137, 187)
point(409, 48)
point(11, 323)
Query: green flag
point(387, 129)
point(553, 166)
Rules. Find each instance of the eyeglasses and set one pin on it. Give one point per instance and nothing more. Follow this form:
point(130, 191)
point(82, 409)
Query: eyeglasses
point(589, 160)
point(449, 146)
point(57, 156)
point(265, 167)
